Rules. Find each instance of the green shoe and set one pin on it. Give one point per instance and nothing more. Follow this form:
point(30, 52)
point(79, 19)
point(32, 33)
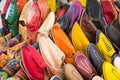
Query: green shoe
point(12, 18)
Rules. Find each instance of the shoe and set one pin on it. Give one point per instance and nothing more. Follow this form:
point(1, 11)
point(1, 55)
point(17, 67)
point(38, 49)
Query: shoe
point(59, 13)
point(63, 21)
point(114, 35)
point(47, 24)
point(52, 5)
point(84, 66)
point(20, 5)
point(110, 72)
point(10, 69)
point(44, 7)
point(76, 35)
point(73, 13)
point(34, 14)
point(94, 10)
point(83, 3)
point(71, 73)
point(97, 78)
point(95, 57)
point(52, 55)
point(116, 61)
point(31, 56)
point(63, 43)
point(109, 12)
point(88, 27)
point(22, 20)
point(12, 18)
point(104, 45)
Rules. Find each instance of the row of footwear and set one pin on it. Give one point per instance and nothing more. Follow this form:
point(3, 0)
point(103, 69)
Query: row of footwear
point(59, 40)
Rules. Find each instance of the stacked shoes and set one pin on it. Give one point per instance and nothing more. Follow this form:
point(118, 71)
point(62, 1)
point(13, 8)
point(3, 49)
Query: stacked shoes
point(59, 40)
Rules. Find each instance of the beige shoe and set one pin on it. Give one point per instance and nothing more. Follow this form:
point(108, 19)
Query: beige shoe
point(71, 73)
point(22, 20)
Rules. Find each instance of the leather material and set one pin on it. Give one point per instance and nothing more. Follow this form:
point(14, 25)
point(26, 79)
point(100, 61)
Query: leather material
point(22, 20)
point(5, 38)
point(12, 18)
point(4, 59)
point(59, 13)
point(84, 66)
point(13, 41)
point(33, 21)
point(104, 45)
point(97, 78)
point(114, 36)
point(31, 56)
point(71, 73)
point(76, 35)
point(48, 23)
point(94, 9)
point(44, 7)
point(21, 4)
point(110, 72)
point(88, 27)
point(52, 5)
point(10, 69)
point(109, 12)
point(95, 57)
point(52, 55)
point(63, 43)
point(63, 21)
point(73, 13)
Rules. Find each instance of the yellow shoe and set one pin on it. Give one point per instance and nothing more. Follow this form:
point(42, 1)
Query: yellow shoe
point(52, 5)
point(79, 39)
point(105, 46)
point(110, 72)
point(83, 3)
